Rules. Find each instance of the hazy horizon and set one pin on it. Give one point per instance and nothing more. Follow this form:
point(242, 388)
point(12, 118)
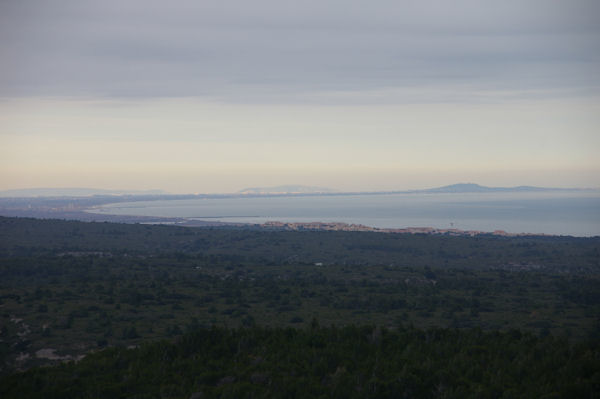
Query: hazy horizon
point(213, 97)
point(88, 191)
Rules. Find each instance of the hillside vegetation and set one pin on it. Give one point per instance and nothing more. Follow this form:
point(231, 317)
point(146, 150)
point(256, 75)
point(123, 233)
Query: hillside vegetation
point(69, 289)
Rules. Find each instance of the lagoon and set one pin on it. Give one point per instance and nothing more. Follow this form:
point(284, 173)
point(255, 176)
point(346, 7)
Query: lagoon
point(574, 213)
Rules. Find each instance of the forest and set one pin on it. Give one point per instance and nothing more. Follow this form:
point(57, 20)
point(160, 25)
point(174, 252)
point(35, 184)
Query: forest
point(133, 310)
point(337, 362)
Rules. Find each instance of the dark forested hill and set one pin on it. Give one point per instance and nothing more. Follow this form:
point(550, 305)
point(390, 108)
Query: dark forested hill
point(68, 289)
point(348, 362)
point(22, 236)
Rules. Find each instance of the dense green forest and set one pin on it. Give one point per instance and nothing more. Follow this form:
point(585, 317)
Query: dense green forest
point(346, 362)
point(69, 289)
point(29, 237)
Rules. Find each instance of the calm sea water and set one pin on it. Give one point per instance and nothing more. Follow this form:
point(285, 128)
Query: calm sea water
point(562, 213)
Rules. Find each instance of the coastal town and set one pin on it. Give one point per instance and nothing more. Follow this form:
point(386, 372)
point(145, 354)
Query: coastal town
point(339, 226)
point(89, 209)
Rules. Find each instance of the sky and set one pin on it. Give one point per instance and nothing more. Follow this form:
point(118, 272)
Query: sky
point(215, 96)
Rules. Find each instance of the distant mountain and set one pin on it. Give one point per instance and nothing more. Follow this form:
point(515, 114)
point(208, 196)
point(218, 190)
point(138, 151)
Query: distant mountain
point(292, 189)
point(476, 188)
point(73, 192)
point(453, 188)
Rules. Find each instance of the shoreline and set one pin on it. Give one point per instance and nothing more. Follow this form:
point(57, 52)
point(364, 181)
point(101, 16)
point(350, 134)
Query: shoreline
point(86, 210)
point(85, 216)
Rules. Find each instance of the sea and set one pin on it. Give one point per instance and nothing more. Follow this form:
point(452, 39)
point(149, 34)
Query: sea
point(575, 213)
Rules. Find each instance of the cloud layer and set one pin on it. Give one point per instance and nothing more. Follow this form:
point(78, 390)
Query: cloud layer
point(290, 51)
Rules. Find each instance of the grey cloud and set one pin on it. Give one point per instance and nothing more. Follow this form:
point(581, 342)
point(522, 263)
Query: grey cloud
point(241, 50)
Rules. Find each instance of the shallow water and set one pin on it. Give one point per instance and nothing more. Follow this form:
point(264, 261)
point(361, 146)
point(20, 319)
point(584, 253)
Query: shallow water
point(558, 212)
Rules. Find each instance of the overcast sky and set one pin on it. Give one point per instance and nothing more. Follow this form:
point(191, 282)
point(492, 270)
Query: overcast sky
point(213, 96)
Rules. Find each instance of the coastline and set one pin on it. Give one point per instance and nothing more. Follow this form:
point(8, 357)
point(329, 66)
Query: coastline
point(90, 209)
point(84, 215)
